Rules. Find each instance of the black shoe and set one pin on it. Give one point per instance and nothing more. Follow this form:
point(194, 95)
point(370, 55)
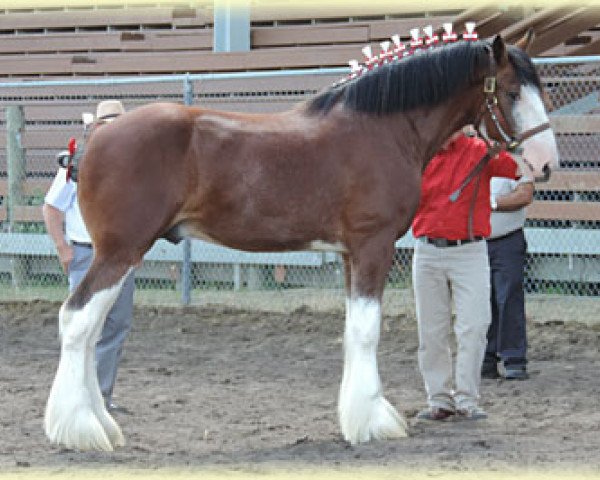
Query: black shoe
point(515, 373)
point(489, 371)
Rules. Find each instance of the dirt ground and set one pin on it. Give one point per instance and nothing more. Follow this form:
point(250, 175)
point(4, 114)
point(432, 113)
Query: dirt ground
point(215, 387)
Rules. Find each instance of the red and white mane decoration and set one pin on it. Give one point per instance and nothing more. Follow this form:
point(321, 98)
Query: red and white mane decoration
point(401, 49)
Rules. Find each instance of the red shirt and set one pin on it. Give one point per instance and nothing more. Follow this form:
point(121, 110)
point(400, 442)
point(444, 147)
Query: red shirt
point(437, 216)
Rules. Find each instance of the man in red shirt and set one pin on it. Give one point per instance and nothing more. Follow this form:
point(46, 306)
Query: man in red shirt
point(451, 263)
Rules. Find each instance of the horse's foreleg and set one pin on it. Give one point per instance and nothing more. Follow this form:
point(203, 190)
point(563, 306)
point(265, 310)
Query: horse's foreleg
point(363, 411)
point(75, 413)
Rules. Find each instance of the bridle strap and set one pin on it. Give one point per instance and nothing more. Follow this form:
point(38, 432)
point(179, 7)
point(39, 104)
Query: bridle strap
point(519, 139)
point(509, 143)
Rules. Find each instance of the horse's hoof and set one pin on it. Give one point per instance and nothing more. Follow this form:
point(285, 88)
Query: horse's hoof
point(383, 422)
point(112, 430)
point(81, 431)
point(386, 422)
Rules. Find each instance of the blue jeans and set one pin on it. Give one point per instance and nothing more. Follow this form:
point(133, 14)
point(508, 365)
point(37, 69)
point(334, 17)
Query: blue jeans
point(507, 335)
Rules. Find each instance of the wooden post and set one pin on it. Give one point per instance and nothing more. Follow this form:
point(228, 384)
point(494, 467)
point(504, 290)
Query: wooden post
point(15, 122)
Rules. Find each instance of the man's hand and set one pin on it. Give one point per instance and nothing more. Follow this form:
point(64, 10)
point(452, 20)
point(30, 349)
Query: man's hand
point(54, 218)
point(65, 256)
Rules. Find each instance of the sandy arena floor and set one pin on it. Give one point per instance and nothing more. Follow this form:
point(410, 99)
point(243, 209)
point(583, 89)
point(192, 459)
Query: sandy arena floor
point(214, 387)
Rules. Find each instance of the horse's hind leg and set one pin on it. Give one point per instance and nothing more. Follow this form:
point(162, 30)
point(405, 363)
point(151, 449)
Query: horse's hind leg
point(364, 413)
point(75, 413)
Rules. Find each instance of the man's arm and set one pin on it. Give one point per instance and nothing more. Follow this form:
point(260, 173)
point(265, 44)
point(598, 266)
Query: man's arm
point(54, 218)
point(520, 197)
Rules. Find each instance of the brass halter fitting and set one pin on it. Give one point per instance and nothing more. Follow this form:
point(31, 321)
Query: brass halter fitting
point(489, 86)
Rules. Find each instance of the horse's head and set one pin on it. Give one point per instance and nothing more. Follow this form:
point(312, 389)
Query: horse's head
point(515, 113)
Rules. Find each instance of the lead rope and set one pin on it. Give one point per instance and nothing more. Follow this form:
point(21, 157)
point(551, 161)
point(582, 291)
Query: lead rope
point(490, 153)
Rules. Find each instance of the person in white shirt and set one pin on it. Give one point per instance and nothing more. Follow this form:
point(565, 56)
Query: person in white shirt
point(73, 244)
point(507, 248)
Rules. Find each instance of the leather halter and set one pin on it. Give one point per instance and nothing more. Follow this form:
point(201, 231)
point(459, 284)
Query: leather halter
point(508, 142)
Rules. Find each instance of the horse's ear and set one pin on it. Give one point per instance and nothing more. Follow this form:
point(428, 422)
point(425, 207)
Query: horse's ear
point(525, 42)
point(499, 49)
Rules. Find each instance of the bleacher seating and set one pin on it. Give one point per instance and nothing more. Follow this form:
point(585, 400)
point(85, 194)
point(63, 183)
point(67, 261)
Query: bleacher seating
point(66, 43)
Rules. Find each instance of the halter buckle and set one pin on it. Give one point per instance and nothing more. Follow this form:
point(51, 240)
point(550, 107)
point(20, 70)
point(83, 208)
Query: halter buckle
point(513, 146)
point(489, 85)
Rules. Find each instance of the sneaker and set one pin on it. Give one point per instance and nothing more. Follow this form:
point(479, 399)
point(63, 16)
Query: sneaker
point(515, 373)
point(472, 412)
point(435, 413)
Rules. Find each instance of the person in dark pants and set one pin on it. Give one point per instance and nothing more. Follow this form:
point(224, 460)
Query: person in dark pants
point(506, 350)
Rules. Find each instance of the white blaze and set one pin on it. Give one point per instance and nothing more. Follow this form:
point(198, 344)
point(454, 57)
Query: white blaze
point(529, 112)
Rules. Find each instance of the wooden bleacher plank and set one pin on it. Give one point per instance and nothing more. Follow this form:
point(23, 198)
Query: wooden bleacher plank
point(50, 111)
point(561, 210)
point(495, 21)
point(28, 214)
point(572, 181)
point(271, 106)
point(59, 42)
point(167, 40)
point(66, 92)
point(267, 84)
point(578, 148)
point(99, 18)
point(576, 21)
point(386, 28)
point(34, 187)
point(46, 137)
point(536, 21)
point(580, 124)
point(159, 40)
point(3, 213)
point(309, 35)
point(158, 62)
point(284, 10)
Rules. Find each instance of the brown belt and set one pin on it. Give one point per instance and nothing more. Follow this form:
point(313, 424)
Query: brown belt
point(444, 242)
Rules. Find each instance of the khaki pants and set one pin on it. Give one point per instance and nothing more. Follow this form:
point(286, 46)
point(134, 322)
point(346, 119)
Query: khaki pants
point(440, 276)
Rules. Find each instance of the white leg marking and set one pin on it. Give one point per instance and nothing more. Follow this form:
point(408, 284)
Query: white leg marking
point(529, 112)
point(75, 413)
point(363, 411)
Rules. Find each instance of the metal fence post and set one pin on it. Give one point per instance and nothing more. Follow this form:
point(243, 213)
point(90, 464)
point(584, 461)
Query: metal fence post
point(15, 123)
point(186, 266)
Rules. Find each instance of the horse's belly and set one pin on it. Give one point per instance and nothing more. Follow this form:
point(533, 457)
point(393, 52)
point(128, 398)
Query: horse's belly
point(246, 239)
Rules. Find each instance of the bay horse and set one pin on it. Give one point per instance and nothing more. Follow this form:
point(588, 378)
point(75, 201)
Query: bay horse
point(340, 171)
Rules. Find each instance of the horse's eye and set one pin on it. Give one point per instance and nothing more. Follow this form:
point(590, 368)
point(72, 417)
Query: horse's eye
point(514, 96)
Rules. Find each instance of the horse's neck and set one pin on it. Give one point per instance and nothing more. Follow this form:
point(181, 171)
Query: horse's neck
point(436, 124)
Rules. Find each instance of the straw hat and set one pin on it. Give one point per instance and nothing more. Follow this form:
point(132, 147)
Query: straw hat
point(108, 110)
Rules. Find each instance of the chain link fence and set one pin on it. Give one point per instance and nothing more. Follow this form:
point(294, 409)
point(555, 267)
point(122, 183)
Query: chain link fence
point(37, 119)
